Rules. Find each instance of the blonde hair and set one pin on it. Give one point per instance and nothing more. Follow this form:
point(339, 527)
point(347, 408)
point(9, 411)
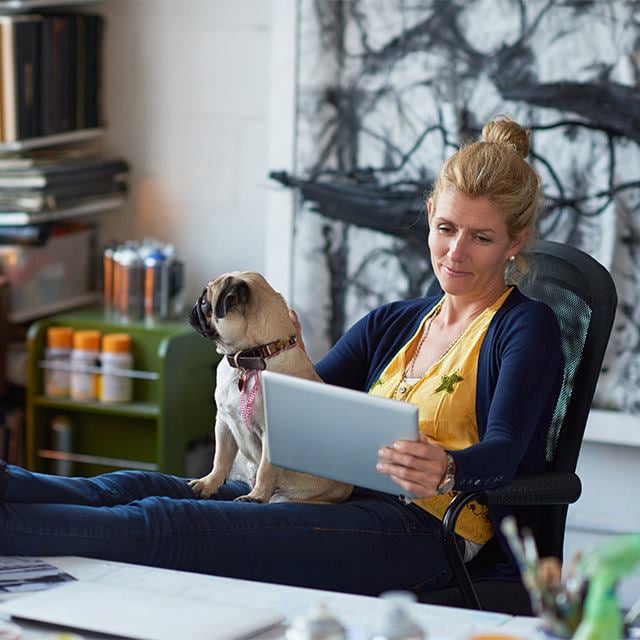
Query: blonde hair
point(495, 167)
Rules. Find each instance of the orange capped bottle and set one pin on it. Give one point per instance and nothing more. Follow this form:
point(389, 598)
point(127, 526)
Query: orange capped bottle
point(57, 355)
point(84, 362)
point(117, 360)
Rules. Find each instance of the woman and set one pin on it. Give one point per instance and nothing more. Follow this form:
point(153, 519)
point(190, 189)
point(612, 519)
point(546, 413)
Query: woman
point(482, 361)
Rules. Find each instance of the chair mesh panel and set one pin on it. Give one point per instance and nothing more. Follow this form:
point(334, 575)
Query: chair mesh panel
point(574, 316)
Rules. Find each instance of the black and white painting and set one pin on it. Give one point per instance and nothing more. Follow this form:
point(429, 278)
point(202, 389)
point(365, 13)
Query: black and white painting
point(387, 90)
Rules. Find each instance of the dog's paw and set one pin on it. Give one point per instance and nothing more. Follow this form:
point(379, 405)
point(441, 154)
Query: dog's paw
point(250, 498)
point(203, 488)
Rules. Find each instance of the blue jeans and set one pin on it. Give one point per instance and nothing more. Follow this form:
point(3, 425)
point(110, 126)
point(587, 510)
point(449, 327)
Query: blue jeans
point(371, 543)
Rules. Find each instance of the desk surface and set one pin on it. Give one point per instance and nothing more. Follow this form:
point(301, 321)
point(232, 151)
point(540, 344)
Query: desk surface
point(362, 615)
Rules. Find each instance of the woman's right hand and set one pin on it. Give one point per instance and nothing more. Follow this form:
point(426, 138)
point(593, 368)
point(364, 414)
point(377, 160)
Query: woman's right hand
point(417, 467)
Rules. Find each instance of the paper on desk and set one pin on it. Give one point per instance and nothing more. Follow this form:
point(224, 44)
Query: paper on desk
point(20, 574)
point(138, 614)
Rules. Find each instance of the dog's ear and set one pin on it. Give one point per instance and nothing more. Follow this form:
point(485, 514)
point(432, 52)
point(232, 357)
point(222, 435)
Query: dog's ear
point(234, 293)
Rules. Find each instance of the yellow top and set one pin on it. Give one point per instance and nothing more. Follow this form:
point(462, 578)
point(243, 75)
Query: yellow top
point(116, 343)
point(87, 340)
point(59, 337)
point(446, 397)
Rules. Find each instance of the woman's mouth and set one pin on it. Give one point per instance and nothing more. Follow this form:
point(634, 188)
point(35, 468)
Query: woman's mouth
point(454, 273)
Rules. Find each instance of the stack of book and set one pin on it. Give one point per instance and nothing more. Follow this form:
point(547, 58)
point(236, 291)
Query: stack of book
point(49, 74)
point(48, 185)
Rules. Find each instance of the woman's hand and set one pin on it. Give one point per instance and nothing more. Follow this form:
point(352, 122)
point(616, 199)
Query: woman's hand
point(417, 467)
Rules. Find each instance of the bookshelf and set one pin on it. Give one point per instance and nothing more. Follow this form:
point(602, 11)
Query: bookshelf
point(50, 113)
point(19, 6)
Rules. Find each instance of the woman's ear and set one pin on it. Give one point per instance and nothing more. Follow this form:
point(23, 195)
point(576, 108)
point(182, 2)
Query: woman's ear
point(518, 242)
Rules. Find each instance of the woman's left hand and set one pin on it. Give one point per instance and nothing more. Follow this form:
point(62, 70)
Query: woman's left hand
point(417, 467)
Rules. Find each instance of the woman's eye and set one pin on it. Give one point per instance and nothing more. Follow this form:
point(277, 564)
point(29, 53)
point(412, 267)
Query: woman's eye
point(483, 239)
point(443, 228)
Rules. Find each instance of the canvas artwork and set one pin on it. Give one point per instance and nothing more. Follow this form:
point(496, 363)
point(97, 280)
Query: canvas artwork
point(387, 89)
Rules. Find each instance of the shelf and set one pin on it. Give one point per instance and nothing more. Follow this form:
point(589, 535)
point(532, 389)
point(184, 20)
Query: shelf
point(174, 374)
point(83, 300)
point(51, 454)
point(126, 409)
point(11, 6)
point(124, 373)
point(52, 140)
point(613, 427)
point(24, 218)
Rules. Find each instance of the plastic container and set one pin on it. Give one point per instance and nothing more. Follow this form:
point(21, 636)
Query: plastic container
point(85, 356)
point(316, 624)
point(397, 623)
point(116, 358)
point(58, 353)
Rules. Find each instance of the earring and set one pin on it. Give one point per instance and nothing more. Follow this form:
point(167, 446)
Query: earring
point(512, 258)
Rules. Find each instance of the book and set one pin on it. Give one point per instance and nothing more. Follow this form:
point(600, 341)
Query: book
point(63, 172)
point(46, 155)
point(93, 31)
point(97, 204)
point(27, 70)
point(19, 76)
point(34, 235)
point(8, 76)
point(64, 196)
point(55, 60)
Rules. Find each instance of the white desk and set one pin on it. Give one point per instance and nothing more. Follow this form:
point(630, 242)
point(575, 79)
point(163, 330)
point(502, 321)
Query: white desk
point(360, 614)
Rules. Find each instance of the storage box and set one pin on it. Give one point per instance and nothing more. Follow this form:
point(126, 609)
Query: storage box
point(47, 279)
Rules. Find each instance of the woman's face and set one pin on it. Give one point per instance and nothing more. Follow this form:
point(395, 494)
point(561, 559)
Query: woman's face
point(469, 245)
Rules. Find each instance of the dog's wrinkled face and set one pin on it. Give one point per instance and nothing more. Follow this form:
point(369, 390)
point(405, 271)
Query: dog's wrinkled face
point(240, 310)
point(226, 295)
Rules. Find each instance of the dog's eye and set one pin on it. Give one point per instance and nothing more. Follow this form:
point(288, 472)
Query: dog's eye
point(205, 305)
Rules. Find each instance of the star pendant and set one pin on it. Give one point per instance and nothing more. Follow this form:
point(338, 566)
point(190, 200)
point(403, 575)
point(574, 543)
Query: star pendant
point(447, 382)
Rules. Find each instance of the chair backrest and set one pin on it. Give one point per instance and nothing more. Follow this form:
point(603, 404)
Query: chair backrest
point(583, 296)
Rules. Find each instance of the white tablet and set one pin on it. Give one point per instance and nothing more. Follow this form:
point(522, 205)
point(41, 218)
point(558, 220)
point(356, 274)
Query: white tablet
point(333, 432)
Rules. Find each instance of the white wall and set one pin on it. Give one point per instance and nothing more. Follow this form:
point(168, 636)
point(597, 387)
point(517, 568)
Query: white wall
point(186, 92)
point(609, 470)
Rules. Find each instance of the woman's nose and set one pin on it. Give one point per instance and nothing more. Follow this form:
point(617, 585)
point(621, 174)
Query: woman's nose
point(457, 248)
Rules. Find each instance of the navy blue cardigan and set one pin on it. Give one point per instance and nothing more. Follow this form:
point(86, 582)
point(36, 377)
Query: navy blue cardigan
point(520, 370)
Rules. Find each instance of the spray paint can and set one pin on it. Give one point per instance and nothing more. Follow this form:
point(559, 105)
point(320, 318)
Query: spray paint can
point(128, 282)
point(176, 277)
point(156, 286)
point(107, 277)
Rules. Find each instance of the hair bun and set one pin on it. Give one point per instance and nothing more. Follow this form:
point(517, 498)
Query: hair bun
point(504, 130)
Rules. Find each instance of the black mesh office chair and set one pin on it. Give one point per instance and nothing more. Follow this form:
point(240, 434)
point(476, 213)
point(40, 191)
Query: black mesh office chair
point(582, 294)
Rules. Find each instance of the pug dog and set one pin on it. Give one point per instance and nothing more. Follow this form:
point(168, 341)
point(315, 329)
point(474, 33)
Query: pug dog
point(250, 324)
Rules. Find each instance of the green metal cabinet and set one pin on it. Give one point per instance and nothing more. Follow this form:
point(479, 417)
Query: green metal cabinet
point(167, 414)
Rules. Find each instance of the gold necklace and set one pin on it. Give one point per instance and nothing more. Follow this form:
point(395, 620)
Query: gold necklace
point(403, 386)
point(425, 334)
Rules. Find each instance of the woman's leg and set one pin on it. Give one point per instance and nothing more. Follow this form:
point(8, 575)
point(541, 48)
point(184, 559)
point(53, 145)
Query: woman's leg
point(119, 487)
point(368, 544)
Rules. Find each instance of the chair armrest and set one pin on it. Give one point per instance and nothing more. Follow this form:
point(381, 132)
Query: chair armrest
point(538, 489)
